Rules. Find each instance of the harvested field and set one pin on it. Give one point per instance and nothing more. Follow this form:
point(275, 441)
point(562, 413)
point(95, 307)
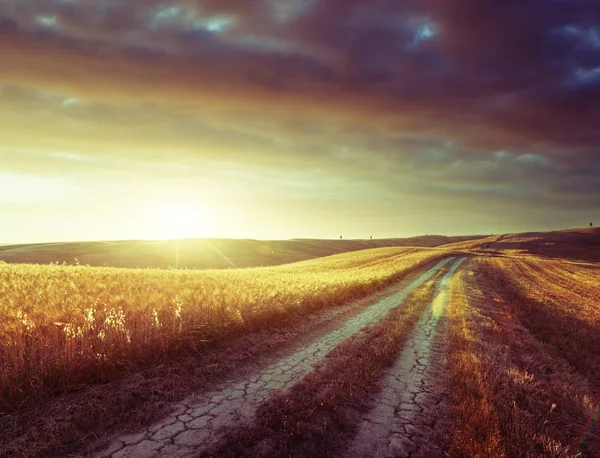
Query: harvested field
point(523, 373)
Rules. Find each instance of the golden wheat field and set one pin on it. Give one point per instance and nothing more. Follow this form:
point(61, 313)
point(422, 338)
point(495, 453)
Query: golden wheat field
point(559, 303)
point(61, 326)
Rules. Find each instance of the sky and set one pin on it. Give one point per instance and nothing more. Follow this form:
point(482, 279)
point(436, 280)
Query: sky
point(297, 118)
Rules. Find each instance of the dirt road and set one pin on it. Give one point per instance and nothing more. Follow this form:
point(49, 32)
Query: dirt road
point(197, 423)
point(404, 420)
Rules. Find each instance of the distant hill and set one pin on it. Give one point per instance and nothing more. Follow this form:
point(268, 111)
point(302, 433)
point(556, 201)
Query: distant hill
point(202, 253)
point(575, 244)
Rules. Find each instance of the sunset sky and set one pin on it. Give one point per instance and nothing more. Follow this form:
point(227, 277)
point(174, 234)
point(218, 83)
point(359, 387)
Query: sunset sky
point(297, 118)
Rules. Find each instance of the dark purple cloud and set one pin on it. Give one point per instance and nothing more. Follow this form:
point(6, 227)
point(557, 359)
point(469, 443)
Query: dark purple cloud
point(437, 86)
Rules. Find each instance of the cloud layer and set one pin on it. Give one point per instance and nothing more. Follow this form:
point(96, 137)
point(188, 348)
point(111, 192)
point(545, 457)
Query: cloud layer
point(450, 100)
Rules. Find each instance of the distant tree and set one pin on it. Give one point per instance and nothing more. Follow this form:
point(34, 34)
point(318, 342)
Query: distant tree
point(340, 237)
point(371, 237)
point(591, 224)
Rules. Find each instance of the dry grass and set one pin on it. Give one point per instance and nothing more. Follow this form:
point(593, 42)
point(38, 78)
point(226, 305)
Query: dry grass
point(517, 389)
point(62, 327)
point(321, 412)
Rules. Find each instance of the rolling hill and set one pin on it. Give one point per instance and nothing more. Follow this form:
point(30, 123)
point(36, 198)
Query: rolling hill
point(575, 244)
point(202, 253)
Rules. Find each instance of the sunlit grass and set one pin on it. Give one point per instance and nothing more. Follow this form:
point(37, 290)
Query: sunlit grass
point(62, 326)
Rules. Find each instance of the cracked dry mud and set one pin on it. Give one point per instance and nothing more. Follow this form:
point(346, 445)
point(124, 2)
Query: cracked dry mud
point(198, 423)
point(412, 406)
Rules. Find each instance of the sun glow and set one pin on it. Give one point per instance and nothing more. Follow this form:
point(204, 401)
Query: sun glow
point(178, 220)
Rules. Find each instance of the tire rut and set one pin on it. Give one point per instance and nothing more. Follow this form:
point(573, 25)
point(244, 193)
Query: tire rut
point(412, 403)
point(198, 422)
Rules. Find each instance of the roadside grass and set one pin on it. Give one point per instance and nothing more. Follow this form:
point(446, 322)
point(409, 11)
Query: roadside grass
point(514, 394)
point(320, 413)
point(66, 332)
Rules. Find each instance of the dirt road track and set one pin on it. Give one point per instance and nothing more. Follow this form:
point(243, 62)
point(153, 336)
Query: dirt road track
point(198, 422)
point(412, 403)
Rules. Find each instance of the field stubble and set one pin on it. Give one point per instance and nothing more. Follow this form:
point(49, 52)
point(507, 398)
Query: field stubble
point(524, 365)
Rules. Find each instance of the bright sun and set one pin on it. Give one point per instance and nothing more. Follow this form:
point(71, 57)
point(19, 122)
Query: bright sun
point(178, 220)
